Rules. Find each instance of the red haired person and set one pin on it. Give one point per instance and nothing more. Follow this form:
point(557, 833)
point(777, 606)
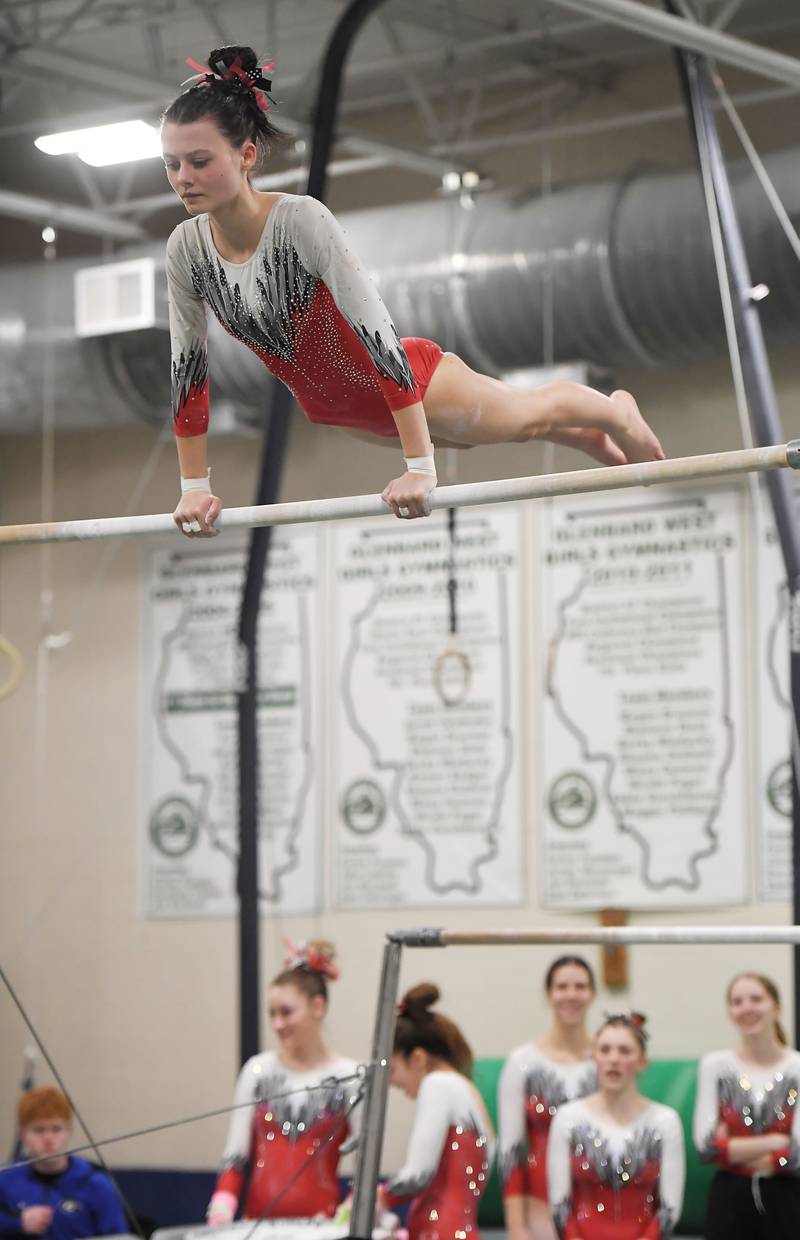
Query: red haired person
point(295, 1107)
point(747, 1121)
point(451, 1143)
point(277, 272)
point(57, 1196)
point(537, 1079)
point(615, 1160)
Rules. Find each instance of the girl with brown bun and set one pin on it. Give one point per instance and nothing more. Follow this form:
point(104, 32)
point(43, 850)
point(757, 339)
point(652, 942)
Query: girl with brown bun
point(537, 1079)
point(451, 1144)
point(277, 272)
point(747, 1121)
point(302, 1098)
point(615, 1159)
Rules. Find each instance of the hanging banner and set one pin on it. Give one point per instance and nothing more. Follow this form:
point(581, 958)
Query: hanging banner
point(773, 713)
point(189, 728)
point(427, 763)
point(644, 754)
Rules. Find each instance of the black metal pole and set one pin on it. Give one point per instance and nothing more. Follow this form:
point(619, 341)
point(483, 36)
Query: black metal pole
point(273, 458)
point(761, 399)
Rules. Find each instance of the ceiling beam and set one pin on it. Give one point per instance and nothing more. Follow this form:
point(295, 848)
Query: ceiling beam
point(103, 77)
point(678, 32)
point(66, 215)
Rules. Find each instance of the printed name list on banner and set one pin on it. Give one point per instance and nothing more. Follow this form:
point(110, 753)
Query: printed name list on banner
point(773, 715)
point(641, 722)
point(427, 733)
point(189, 728)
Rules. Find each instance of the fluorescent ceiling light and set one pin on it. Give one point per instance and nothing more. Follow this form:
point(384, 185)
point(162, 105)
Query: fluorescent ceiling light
point(105, 144)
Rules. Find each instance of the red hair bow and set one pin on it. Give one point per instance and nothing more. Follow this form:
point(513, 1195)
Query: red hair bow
point(252, 80)
point(303, 954)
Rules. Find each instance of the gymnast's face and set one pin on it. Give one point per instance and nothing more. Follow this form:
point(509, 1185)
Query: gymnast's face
point(296, 1018)
point(203, 168)
point(44, 1140)
point(619, 1058)
point(570, 994)
point(751, 1007)
point(408, 1071)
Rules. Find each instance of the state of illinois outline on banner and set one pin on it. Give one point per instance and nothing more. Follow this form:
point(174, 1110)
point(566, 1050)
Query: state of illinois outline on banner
point(774, 708)
point(427, 794)
point(189, 727)
point(644, 788)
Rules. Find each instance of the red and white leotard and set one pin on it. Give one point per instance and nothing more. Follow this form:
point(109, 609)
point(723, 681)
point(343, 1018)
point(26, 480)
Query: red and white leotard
point(532, 1088)
point(749, 1101)
point(449, 1154)
point(615, 1182)
point(307, 307)
point(279, 1135)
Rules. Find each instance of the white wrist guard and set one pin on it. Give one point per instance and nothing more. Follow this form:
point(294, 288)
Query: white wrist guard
point(420, 464)
point(196, 484)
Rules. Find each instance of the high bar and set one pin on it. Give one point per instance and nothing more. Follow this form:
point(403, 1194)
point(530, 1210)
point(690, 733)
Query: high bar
point(604, 936)
point(465, 495)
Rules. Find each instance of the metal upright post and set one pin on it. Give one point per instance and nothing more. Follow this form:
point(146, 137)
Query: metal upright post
point(368, 1166)
point(761, 400)
point(273, 458)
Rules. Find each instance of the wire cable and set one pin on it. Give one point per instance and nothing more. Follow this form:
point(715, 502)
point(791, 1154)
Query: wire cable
point(186, 1119)
point(62, 1086)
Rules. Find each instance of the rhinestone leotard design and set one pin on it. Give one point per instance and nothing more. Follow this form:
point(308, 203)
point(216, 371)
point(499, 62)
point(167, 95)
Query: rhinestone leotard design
point(306, 306)
point(615, 1182)
point(532, 1088)
point(447, 1165)
point(735, 1099)
point(290, 1138)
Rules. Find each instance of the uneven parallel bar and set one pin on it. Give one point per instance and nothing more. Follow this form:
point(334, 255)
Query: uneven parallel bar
point(472, 494)
point(606, 936)
point(678, 32)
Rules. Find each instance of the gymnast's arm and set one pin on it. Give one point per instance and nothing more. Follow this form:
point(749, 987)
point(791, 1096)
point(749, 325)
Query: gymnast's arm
point(190, 394)
point(559, 1176)
point(360, 303)
point(513, 1144)
point(225, 1198)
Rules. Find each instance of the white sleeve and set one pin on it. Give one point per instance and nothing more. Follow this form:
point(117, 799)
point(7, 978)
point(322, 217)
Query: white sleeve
point(706, 1111)
point(188, 330)
point(791, 1162)
point(559, 1170)
point(358, 301)
point(512, 1133)
point(237, 1145)
point(673, 1174)
point(432, 1119)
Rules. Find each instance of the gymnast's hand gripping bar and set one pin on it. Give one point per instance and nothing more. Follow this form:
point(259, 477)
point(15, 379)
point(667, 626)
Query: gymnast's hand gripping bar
point(471, 494)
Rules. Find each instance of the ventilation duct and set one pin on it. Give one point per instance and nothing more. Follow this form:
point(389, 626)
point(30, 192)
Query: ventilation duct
point(625, 268)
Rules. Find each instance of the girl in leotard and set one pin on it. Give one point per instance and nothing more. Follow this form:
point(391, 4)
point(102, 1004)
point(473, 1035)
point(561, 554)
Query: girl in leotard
point(276, 270)
point(537, 1079)
point(451, 1144)
point(615, 1160)
point(747, 1121)
point(304, 1105)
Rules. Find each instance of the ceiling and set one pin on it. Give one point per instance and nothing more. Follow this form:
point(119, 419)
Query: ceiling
point(430, 84)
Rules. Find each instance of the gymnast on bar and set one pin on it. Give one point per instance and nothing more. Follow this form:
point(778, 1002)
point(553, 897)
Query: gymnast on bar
point(277, 272)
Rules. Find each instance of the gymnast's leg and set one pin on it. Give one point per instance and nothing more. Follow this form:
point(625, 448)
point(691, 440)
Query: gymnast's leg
point(465, 407)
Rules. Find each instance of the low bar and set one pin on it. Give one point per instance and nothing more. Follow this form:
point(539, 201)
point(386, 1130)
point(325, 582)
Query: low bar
point(466, 495)
point(607, 936)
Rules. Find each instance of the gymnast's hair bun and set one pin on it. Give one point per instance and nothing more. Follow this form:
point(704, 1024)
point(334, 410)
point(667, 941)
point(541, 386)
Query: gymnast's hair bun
point(417, 1002)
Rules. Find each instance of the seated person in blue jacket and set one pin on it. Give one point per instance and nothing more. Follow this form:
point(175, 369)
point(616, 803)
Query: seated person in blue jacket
point(58, 1196)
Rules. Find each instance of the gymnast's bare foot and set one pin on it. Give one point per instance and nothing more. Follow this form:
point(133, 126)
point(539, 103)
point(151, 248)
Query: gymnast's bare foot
point(632, 434)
